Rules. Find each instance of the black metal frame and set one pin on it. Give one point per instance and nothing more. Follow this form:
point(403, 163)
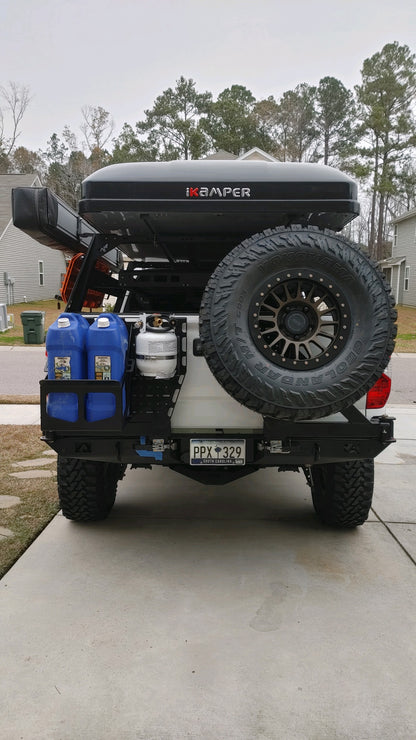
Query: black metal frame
point(328, 442)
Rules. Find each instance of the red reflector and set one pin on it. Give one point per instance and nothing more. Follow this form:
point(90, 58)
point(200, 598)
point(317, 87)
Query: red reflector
point(377, 395)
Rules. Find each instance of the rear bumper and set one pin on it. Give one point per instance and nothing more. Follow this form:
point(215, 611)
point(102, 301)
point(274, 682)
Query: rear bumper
point(151, 441)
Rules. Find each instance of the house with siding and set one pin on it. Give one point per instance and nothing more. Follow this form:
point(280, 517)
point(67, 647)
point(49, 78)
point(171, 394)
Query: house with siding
point(255, 153)
point(400, 268)
point(29, 271)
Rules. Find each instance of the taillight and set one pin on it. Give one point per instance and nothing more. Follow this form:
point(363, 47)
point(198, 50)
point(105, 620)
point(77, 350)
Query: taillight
point(377, 395)
point(93, 298)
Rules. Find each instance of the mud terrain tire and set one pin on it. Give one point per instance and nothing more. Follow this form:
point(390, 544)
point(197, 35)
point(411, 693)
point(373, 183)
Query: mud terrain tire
point(87, 489)
point(342, 492)
point(297, 323)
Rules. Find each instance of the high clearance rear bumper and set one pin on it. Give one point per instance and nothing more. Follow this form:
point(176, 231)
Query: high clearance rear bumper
point(149, 439)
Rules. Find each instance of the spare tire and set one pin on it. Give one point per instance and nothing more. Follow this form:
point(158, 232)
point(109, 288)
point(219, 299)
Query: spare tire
point(297, 323)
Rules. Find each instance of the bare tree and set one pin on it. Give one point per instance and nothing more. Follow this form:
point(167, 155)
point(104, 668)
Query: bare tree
point(16, 98)
point(97, 127)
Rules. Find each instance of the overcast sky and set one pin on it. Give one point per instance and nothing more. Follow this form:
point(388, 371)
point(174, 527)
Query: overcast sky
point(121, 54)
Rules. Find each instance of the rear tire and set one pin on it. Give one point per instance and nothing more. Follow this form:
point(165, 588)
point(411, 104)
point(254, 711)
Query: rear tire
point(87, 489)
point(342, 493)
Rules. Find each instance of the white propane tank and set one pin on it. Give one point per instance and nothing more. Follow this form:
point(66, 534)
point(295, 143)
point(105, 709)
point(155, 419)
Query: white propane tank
point(157, 348)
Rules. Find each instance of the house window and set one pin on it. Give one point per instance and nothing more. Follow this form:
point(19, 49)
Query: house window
point(406, 277)
point(395, 236)
point(41, 273)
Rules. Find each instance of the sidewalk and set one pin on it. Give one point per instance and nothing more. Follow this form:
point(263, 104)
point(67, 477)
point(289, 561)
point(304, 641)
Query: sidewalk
point(11, 413)
point(218, 612)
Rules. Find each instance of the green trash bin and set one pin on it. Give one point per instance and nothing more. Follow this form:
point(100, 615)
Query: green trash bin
point(33, 326)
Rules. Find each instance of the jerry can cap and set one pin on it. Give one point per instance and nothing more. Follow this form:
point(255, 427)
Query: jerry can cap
point(63, 322)
point(103, 322)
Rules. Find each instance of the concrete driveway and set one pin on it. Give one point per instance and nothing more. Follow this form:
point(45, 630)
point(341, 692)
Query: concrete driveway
point(218, 614)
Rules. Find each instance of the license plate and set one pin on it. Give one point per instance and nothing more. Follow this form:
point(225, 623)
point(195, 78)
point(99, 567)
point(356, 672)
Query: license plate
point(217, 451)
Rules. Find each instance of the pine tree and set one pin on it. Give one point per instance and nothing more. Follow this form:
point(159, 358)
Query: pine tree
point(388, 128)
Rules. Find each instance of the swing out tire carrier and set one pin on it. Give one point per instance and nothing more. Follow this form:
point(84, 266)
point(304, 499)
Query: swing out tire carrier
point(258, 336)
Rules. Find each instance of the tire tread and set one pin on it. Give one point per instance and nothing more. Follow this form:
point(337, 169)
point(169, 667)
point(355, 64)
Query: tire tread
point(342, 493)
point(87, 489)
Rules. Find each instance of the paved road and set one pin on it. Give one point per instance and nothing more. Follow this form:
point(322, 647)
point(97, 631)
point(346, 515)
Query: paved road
point(22, 367)
point(210, 613)
point(21, 370)
point(404, 378)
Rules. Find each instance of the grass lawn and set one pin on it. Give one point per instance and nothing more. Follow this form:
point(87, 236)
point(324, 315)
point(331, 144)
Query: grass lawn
point(15, 336)
point(406, 329)
point(38, 501)
point(38, 496)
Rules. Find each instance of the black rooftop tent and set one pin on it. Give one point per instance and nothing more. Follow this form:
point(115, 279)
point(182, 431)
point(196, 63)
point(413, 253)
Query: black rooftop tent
point(189, 210)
